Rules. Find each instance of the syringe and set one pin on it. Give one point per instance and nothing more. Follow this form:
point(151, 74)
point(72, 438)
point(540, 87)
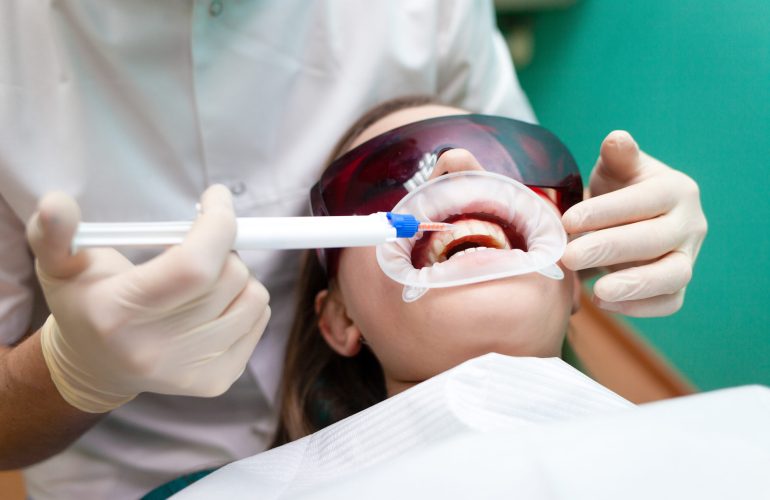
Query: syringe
point(264, 232)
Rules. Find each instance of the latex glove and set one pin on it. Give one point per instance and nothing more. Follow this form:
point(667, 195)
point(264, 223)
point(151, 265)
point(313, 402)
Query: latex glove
point(647, 226)
point(184, 323)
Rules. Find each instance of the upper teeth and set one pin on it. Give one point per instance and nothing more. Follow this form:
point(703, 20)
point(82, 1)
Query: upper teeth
point(463, 228)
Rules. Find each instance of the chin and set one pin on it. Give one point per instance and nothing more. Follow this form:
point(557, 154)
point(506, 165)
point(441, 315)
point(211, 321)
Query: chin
point(521, 342)
point(502, 316)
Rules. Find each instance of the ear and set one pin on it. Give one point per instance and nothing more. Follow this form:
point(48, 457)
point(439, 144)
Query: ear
point(337, 329)
point(577, 290)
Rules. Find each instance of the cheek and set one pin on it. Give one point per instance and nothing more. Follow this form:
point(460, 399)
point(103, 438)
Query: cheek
point(372, 299)
point(398, 333)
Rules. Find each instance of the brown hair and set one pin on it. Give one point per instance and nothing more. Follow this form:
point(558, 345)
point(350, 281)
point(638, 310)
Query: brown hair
point(319, 386)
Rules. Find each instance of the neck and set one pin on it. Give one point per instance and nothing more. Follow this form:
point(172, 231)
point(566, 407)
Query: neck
point(394, 387)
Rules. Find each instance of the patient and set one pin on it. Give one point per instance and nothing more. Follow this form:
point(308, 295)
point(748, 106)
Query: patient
point(355, 342)
point(355, 416)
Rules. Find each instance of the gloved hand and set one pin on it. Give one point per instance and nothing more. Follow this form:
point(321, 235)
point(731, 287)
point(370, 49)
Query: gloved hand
point(647, 225)
point(184, 323)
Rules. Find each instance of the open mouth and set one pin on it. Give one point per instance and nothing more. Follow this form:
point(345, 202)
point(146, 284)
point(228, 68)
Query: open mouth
point(473, 231)
point(501, 228)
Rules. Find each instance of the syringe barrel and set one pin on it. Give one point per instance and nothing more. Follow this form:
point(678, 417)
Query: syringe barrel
point(313, 232)
point(253, 233)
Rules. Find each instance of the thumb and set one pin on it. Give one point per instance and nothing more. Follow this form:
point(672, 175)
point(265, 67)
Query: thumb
point(50, 231)
point(618, 164)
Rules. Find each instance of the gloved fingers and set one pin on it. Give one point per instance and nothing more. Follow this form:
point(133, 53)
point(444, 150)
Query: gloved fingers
point(617, 165)
point(233, 362)
point(624, 206)
point(230, 286)
point(691, 212)
point(213, 232)
point(664, 276)
point(625, 265)
point(50, 231)
point(182, 362)
point(661, 305)
point(190, 306)
point(590, 273)
point(643, 240)
point(250, 308)
point(191, 269)
point(236, 320)
point(454, 160)
point(216, 370)
point(100, 264)
point(621, 163)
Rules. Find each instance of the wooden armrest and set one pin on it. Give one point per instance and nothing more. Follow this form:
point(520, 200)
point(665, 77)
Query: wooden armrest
point(617, 357)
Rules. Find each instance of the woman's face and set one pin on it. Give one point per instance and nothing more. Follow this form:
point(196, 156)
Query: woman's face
point(525, 315)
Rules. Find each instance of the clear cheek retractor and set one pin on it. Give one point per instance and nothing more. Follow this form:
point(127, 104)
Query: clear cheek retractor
point(476, 192)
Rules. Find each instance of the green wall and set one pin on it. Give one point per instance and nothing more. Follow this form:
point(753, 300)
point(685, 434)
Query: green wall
point(691, 81)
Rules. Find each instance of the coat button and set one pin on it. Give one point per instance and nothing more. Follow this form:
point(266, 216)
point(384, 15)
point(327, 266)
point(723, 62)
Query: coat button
point(238, 188)
point(215, 8)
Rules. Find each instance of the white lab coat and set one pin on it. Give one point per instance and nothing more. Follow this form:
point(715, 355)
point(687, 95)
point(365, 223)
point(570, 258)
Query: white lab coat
point(134, 107)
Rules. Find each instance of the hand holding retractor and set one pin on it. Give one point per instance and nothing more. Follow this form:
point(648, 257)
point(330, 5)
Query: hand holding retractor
point(647, 227)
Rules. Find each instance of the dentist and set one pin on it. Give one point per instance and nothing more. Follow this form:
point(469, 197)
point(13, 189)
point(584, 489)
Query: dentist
point(146, 367)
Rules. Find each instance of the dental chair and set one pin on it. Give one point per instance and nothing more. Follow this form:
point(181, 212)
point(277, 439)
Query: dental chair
point(619, 358)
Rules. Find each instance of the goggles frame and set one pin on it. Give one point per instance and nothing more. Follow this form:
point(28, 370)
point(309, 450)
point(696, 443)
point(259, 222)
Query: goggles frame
point(375, 175)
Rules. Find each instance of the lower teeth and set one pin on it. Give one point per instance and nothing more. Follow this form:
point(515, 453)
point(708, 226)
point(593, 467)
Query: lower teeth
point(469, 250)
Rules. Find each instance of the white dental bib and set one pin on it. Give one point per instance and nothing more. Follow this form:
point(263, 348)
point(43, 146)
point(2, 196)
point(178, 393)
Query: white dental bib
point(479, 192)
point(498, 427)
point(489, 393)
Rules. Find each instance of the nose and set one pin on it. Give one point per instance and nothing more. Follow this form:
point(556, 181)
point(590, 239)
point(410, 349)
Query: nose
point(455, 160)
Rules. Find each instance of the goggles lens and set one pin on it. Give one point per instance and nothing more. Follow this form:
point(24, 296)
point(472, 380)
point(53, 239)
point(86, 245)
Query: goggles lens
point(375, 175)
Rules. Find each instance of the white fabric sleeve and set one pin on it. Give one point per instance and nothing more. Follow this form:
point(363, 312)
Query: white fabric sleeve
point(16, 277)
point(476, 71)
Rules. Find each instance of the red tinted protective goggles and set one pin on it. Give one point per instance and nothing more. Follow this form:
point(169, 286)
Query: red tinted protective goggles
point(375, 175)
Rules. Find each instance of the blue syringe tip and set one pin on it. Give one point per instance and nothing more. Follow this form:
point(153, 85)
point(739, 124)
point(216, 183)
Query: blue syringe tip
point(407, 225)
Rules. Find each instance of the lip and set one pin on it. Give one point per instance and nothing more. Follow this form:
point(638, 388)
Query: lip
point(482, 210)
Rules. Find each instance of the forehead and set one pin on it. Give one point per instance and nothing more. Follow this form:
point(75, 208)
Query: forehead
point(404, 117)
